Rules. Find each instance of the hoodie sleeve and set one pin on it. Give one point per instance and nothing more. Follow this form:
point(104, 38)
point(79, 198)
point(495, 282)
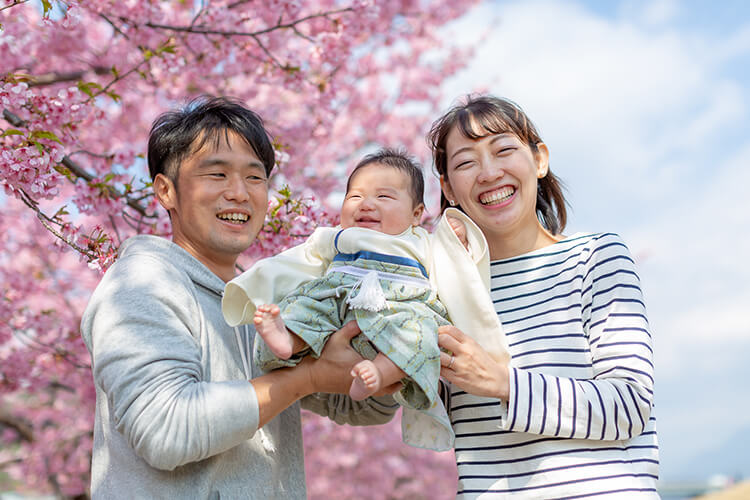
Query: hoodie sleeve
point(139, 327)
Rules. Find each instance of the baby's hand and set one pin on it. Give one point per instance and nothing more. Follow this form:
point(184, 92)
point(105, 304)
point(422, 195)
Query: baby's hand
point(460, 229)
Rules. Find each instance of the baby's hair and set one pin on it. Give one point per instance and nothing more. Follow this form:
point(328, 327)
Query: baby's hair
point(398, 159)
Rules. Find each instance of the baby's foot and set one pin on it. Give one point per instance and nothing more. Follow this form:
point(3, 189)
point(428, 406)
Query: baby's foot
point(366, 381)
point(271, 327)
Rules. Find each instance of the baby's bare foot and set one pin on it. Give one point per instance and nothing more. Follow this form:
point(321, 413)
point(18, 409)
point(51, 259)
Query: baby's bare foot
point(271, 327)
point(367, 380)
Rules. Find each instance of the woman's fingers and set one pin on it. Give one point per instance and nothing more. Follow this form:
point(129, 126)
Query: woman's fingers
point(450, 338)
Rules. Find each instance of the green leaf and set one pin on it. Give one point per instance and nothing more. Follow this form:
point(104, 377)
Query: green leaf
point(147, 54)
point(47, 7)
point(88, 87)
point(115, 96)
point(44, 134)
point(39, 146)
point(62, 211)
point(11, 131)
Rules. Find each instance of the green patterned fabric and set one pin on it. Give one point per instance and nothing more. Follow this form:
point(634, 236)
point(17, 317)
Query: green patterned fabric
point(406, 331)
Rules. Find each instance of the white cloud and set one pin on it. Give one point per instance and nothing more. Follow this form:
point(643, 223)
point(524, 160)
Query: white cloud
point(644, 118)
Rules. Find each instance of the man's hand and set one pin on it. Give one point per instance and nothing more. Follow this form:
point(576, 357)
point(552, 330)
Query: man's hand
point(331, 372)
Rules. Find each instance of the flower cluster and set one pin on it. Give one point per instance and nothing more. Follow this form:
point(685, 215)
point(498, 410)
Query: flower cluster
point(80, 85)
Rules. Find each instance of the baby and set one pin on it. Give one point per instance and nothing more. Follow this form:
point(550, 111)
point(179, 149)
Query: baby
point(384, 193)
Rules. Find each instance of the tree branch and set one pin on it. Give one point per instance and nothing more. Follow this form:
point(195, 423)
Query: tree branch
point(205, 31)
point(71, 76)
point(23, 428)
point(79, 171)
point(16, 2)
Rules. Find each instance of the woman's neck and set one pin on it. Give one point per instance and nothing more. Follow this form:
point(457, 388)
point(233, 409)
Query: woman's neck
point(520, 241)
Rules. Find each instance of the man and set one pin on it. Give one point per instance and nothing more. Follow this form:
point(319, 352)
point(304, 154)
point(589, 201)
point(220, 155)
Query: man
point(180, 411)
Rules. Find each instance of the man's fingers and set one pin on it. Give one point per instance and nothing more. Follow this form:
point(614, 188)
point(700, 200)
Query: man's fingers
point(350, 330)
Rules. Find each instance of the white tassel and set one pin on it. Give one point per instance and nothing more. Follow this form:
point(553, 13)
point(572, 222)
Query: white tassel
point(370, 296)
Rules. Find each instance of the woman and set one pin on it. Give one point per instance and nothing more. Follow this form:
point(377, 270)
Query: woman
point(571, 415)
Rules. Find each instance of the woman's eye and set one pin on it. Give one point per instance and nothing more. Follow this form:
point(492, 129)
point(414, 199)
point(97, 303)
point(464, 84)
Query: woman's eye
point(505, 151)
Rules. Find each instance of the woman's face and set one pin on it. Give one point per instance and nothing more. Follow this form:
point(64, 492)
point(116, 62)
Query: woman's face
point(494, 179)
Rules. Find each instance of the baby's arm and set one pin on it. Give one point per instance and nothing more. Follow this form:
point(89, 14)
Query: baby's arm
point(459, 228)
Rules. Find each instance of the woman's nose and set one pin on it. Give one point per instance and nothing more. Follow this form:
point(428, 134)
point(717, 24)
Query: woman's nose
point(490, 170)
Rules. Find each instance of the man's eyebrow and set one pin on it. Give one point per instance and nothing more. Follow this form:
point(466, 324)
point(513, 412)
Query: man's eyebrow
point(214, 161)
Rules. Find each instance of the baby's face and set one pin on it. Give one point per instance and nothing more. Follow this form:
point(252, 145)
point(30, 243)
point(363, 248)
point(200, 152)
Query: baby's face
point(379, 198)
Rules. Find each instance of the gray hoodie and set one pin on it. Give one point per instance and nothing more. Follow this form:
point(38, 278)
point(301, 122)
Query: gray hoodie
point(175, 414)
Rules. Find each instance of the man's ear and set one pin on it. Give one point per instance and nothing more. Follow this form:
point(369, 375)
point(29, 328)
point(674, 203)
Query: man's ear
point(165, 192)
point(418, 211)
point(542, 160)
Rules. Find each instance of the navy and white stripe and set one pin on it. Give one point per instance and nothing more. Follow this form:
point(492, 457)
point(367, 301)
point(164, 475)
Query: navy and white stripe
point(578, 422)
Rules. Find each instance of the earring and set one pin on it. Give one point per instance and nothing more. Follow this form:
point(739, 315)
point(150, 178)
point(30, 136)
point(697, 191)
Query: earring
point(452, 203)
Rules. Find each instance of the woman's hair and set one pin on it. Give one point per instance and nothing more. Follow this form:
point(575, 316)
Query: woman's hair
point(480, 116)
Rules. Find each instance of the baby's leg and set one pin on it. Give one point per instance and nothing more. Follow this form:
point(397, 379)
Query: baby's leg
point(371, 376)
point(271, 327)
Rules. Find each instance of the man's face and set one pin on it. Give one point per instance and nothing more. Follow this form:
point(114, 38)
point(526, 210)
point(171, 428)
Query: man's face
point(219, 203)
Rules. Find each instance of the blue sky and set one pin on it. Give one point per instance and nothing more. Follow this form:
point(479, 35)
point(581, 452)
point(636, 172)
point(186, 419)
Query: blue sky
point(645, 106)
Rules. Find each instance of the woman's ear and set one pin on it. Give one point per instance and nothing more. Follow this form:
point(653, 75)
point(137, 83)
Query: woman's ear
point(542, 160)
point(445, 185)
point(165, 192)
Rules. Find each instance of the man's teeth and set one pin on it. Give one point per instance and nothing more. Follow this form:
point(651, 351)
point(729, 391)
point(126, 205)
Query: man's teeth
point(234, 217)
point(497, 196)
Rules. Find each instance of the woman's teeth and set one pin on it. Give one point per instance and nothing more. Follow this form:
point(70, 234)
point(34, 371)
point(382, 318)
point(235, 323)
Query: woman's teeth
point(497, 196)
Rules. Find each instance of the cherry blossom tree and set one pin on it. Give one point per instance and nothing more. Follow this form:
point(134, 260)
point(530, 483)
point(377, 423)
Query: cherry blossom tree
point(80, 84)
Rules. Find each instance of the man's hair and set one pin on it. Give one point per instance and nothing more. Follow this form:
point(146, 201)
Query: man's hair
point(400, 160)
point(177, 134)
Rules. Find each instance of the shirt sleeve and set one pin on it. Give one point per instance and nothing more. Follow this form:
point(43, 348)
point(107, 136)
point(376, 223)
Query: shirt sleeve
point(146, 359)
point(344, 410)
point(616, 402)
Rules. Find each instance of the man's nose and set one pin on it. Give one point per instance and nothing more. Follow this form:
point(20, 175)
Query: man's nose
point(236, 189)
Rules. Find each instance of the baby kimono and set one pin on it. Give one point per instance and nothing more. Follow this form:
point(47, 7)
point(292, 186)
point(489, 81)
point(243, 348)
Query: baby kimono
point(381, 281)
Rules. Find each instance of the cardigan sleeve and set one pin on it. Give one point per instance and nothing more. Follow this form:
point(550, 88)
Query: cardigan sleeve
point(462, 279)
point(271, 279)
point(615, 403)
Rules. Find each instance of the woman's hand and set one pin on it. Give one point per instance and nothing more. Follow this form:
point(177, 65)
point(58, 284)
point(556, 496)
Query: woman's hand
point(470, 367)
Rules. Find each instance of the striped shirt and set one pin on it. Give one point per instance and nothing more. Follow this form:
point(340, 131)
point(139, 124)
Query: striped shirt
point(578, 422)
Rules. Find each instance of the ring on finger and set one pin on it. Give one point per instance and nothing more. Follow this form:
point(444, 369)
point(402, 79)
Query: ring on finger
point(450, 363)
